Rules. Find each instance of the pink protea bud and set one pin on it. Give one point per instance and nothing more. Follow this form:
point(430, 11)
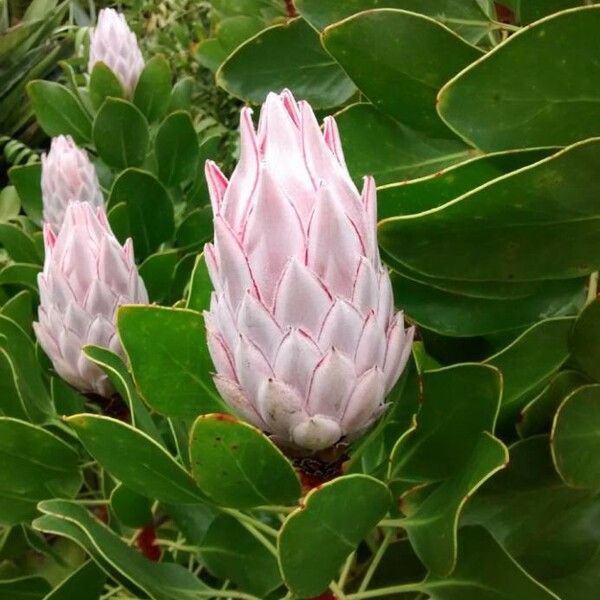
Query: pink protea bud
point(68, 175)
point(114, 44)
point(86, 276)
point(301, 329)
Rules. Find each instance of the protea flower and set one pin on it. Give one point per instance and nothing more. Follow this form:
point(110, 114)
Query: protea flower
point(67, 175)
point(114, 44)
point(301, 327)
point(86, 276)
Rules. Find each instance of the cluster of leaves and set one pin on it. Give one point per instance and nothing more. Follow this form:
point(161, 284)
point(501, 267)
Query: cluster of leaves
point(481, 481)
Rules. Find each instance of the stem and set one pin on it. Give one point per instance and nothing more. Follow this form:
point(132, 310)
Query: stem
point(593, 288)
point(333, 586)
point(290, 8)
point(491, 24)
point(387, 538)
point(253, 526)
point(92, 502)
point(225, 594)
point(397, 523)
point(387, 591)
point(276, 509)
point(346, 570)
point(240, 516)
point(171, 545)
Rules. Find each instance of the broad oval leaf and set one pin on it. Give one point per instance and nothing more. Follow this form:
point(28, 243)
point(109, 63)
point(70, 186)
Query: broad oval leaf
point(515, 225)
point(103, 84)
point(485, 571)
point(231, 552)
point(236, 465)
point(159, 581)
point(153, 90)
point(376, 144)
point(585, 341)
point(58, 111)
point(576, 438)
point(316, 538)
point(288, 55)
point(35, 465)
point(120, 134)
point(174, 378)
point(177, 148)
point(537, 87)
point(135, 459)
point(150, 213)
point(399, 60)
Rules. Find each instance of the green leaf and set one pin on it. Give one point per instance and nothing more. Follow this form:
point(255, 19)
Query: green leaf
point(485, 571)
point(10, 203)
point(378, 145)
point(399, 60)
point(196, 229)
point(517, 216)
point(103, 84)
point(458, 404)
point(24, 588)
point(117, 372)
point(236, 465)
point(585, 341)
point(181, 95)
point(552, 530)
point(84, 583)
point(120, 134)
point(66, 399)
point(466, 18)
point(131, 508)
point(174, 377)
point(21, 274)
point(176, 147)
point(35, 465)
point(200, 287)
point(118, 218)
point(159, 581)
point(432, 522)
point(536, 416)
point(576, 438)
point(26, 180)
point(537, 87)
point(150, 213)
point(153, 90)
point(532, 10)
point(231, 552)
point(316, 538)
point(285, 56)
point(32, 393)
point(157, 272)
point(530, 361)
point(58, 111)
point(442, 306)
point(135, 459)
point(20, 310)
point(18, 244)
point(431, 191)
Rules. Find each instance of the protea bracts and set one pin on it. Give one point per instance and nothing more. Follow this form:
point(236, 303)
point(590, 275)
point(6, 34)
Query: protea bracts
point(301, 329)
point(114, 44)
point(68, 175)
point(87, 274)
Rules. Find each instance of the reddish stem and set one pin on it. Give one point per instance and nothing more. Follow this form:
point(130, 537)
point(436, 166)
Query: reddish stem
point(290, 8)
point(146, 543)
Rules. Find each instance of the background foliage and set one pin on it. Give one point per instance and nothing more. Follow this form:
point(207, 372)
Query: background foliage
point(480, 123)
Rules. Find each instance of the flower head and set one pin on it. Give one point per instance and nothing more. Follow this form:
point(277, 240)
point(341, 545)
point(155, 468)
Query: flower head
point(301, 329)
point(114, 44)
point(87, 274)
point(67, 176)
